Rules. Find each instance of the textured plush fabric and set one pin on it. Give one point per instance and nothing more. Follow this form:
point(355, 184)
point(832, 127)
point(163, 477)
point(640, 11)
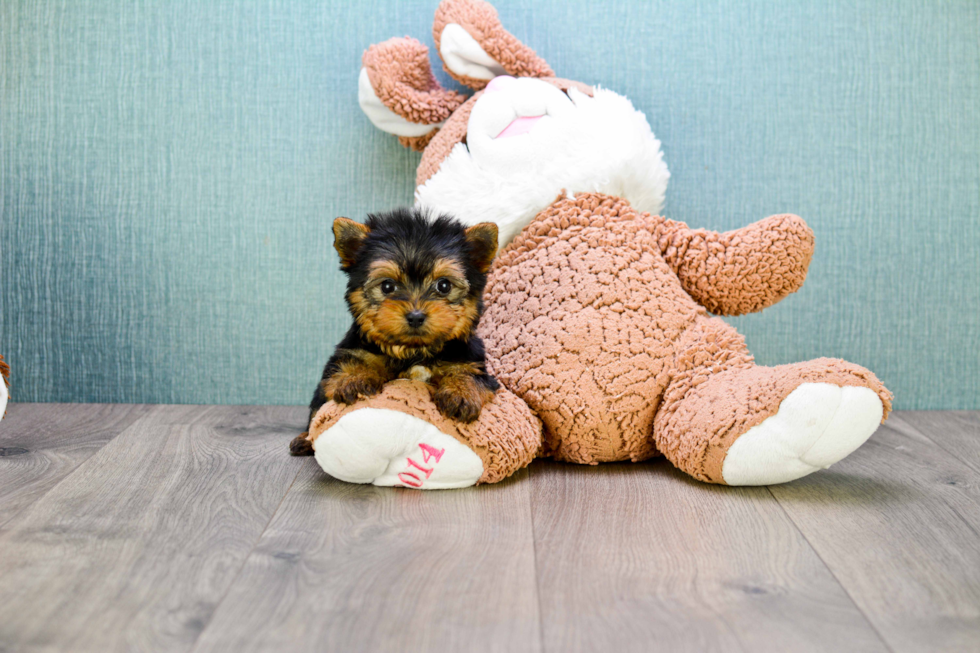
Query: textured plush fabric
point(169, 172)
point(722, 395)
point(741, 271)
point(402, 79)
point(581, 316)
point(589, 324)
point(451, 133)
point(481, 20)
point(506, 437)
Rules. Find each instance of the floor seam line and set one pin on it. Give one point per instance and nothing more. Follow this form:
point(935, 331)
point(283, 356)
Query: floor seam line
point(937, 443)
point(826, 566)
point(534, 553)
point(75, 469)
point(248, 555)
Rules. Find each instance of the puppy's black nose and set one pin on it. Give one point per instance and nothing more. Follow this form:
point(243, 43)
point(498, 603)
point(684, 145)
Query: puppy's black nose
point(415, 319)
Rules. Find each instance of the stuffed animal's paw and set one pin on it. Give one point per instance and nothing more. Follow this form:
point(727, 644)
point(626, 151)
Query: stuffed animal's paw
point(388, 447)
point(817, 425)
point(400, 438)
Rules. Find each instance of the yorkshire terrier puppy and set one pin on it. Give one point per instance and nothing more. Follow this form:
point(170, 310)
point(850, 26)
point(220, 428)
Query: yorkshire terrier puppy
point(415, 290)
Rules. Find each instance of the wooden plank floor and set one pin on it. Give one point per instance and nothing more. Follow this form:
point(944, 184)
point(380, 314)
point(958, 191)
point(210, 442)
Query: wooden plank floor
point(188, 528)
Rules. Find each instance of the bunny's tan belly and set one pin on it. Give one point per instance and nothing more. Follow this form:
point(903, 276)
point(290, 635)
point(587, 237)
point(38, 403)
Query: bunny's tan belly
point(583, 320)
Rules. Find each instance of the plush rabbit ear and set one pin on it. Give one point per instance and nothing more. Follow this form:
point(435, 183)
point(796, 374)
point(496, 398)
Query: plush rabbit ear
point(475, 47)
point(399, 93)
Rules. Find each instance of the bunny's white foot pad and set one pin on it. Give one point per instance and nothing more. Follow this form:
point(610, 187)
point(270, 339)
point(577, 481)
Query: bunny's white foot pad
point(391, 448)
point(816, 425)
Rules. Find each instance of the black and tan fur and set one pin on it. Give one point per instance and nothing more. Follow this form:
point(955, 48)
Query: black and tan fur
point(415, 288)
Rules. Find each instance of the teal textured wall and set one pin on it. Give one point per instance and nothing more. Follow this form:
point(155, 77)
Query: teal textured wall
point(169, 171)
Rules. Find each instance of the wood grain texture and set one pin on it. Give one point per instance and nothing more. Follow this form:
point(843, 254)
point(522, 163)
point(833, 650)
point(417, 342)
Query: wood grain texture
point(955, 431)
point(639, 557)
point(40, 444)
point(192, 530)
point(136, 548)
point(898, 523)
point(359, 568)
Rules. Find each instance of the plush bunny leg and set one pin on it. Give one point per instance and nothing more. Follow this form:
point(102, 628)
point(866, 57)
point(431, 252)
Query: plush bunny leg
point(399, 438)
point(726, 420)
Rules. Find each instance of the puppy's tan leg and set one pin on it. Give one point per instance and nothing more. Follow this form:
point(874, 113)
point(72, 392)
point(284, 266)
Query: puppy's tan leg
point(361, 375)
point(458, 391)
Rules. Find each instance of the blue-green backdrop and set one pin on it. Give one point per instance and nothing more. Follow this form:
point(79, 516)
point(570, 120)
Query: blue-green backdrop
point(169, 172)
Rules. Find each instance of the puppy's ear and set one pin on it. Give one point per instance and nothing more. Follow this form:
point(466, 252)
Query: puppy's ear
point(348, 236)
point(482, 240)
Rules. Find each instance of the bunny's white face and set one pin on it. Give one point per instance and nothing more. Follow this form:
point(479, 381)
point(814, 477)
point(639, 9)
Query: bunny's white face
point(509, 109)
point(527, 140)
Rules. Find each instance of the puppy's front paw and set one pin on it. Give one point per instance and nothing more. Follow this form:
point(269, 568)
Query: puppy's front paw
point(349, 389)
point(301, 446)
point(462, 407)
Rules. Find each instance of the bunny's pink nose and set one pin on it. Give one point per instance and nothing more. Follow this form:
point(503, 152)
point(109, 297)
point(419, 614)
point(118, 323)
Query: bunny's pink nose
point(499, 83)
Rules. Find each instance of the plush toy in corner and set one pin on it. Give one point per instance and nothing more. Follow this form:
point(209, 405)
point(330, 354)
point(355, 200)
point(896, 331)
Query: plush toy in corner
point(598, 311)
point(4, 386)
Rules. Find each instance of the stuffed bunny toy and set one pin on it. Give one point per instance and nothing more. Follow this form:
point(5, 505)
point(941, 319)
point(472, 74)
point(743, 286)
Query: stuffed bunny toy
point(598, 319)
point(4, 386)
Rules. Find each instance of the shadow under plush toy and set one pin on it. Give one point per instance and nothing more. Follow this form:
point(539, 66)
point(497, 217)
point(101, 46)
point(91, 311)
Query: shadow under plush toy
point(597, 310)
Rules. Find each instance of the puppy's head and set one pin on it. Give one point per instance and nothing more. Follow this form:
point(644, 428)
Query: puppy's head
point(415, 283)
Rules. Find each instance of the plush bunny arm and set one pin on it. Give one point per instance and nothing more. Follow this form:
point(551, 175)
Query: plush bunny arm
point(740, 271)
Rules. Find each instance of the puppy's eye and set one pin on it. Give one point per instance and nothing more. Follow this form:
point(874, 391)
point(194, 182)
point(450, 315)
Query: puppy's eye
point(443, 286)
point(388, 286)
